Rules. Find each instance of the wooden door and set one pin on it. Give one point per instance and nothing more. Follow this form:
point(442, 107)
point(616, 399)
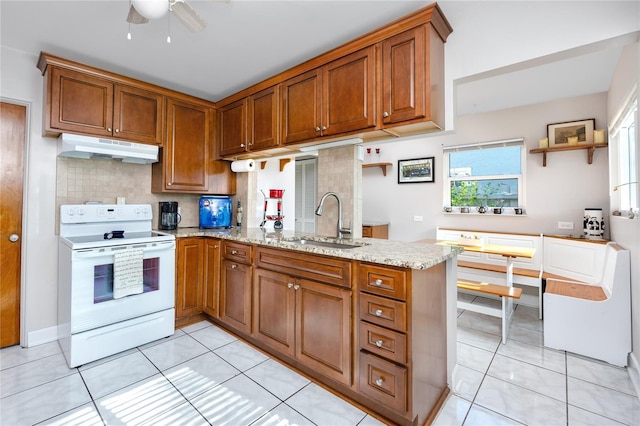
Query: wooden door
point(232, 128)
point(301, 107)
point(273, 310)
point(137, 115)
point(349, 93)
point(323, 329)
point(81, 103)
point(235, 295)
point(264, 120)
point(403, 76)
point(187, 147)
point(211, 278)
point(12, 141)
point(189, 268)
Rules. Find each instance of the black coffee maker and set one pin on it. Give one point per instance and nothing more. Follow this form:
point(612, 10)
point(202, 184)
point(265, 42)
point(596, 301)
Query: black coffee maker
point(169, 218)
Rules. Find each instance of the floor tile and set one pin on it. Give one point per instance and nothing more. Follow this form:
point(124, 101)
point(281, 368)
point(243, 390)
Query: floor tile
point(474, 358)
point(241, 355)
point(119, 373)
point(480, 416)
point(599, 373)
point(369, 420)
point(477, 321)
point(108, 359)
point(283, 415)
point(606, 402)
point(16, 355)
point(181, 415)
point(173, 352)
point(200, 374)
point(324, 408)
point(238, 401)
point(466, 382)
point(478, 338)
point(580, 417)
point(540, 356)
point(453, 412)
point(277, 379)
point(526, 335)
point(520, 404)
point(177, 334)
point(44, 402)
point(139, 402)
point(213, 337)
point(197, 326)
point(29, 375)
point(85, 415)
point(529, 376)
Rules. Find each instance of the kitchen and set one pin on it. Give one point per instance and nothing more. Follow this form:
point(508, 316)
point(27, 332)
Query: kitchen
point(543, 208)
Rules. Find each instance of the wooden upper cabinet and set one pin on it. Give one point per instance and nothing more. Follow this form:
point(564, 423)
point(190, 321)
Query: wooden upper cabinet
point(232, 128)
point(185, 157)
point(87, 104)
point(264, 119)
point(336, 98)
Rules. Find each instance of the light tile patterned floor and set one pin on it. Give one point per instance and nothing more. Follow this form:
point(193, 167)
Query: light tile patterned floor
point(203, 375)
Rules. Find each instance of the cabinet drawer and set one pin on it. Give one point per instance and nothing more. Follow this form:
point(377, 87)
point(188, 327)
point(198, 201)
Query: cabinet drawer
point(367, 231)
point(385, 312)
point(315, 267)
point(384, 342)
point(383, 381)
point(385, 281)
point(237, 252)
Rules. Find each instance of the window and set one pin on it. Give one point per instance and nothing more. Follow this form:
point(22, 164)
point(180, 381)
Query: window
point(487, 174)
point(624, 175)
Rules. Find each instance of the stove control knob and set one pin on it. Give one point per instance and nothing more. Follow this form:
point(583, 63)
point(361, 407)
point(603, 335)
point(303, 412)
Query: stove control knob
point(80, 211)
point(70, 212)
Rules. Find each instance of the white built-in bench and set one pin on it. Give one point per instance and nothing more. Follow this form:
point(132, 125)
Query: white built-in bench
point(587, 300)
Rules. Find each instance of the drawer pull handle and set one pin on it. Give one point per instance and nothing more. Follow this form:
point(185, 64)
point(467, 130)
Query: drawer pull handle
point(379, 381)
point(378, 312)
point(378, 282)
point(379, 343)
point(289, 285)
point(295, 287)
point(234, 252)
point(234, 266)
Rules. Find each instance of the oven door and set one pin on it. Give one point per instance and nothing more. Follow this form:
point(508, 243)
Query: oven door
point(90, 285)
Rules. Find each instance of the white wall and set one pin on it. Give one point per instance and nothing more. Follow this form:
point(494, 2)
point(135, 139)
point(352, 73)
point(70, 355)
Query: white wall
point(558, 192)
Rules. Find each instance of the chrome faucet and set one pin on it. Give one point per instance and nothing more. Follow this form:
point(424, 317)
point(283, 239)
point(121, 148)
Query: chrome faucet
point(340, 229)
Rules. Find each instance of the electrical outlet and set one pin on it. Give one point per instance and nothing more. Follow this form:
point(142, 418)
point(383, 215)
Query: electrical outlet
point(565, 225)
point(417, 218)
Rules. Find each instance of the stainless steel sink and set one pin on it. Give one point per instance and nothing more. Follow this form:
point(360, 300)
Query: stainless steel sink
point(336, 244)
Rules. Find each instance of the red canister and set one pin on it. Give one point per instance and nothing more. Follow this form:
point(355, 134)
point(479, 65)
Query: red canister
point(276, 193)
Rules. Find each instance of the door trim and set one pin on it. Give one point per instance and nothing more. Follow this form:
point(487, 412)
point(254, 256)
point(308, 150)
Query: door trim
point(25, 223)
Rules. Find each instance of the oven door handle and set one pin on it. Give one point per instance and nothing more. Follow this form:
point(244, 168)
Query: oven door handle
point(106, 251)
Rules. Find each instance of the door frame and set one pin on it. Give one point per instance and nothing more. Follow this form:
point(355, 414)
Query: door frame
point(25, 223)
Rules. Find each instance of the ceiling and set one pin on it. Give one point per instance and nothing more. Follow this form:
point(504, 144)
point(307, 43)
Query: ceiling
point(247, 41)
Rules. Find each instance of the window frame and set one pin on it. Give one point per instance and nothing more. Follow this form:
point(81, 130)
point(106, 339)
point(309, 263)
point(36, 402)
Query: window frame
point(625, 168)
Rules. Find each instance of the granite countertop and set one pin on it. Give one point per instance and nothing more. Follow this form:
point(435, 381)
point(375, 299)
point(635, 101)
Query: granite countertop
point(412, 255)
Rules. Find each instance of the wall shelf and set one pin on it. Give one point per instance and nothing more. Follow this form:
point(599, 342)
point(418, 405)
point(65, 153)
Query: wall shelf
point(383, 166)
point(590, 148)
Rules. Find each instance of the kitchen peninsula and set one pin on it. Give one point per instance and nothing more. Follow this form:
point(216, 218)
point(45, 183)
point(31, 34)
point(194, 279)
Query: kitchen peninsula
point(372, 319)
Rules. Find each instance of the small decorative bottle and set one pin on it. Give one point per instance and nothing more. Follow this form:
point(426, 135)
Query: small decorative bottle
point(239, 215)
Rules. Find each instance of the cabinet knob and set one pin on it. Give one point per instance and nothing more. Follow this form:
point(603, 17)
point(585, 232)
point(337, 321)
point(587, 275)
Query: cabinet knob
point(108, 129)
point(117, 130)
point(324, 127)
point(234, 266)
point(379, 343)
point(385, 114)
point(378, 312)
point(241, 145)
point(169, 183)
point(234, 252)
point(289, 285)
point(380, 381)
point(295, 287)
point(317, 129)
point(378, 282)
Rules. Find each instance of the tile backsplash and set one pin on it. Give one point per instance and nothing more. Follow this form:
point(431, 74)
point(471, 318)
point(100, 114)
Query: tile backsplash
point(80, 181)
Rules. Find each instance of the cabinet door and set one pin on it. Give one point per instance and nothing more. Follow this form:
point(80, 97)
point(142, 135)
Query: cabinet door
point(137, 115)
point(211, 277)
point(232, 128)
point(81, 103)
point(323, 329)
point(263, 119)
point(187, 147)
point(301, 107)
point(403, 76)
point(273, 310)
point(189, 277)
point(349, 93)
point(235, 295)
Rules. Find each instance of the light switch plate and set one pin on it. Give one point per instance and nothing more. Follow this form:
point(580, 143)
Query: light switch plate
point(565, 225)
point(417, 218)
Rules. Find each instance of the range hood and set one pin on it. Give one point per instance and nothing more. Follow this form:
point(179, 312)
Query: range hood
point(77, 146)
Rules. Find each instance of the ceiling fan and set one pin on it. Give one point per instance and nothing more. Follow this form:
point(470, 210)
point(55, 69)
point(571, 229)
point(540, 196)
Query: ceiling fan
point(141, 11)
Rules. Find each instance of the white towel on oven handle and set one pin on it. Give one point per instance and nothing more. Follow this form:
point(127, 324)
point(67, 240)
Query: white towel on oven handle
point(127, 273)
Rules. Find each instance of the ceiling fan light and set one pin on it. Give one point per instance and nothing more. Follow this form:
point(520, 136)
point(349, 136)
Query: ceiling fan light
point(151, 9)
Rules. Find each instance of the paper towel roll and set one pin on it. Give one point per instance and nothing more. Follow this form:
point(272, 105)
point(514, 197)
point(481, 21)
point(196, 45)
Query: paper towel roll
point(243, 166)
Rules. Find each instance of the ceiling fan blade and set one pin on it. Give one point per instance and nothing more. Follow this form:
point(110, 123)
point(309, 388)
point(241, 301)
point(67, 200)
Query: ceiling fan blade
point(135, 18)
point(188, 16)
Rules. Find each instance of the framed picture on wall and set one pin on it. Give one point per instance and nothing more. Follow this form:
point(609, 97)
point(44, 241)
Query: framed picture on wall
point(571, 132)
point(416, 170)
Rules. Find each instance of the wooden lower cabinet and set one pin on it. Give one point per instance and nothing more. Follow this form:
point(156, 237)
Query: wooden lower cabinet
point(211, 278)
point(375, 231)
point(190, 270)
point(235, 286)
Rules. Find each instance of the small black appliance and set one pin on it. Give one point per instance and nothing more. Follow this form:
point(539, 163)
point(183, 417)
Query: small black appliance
point(168, 218)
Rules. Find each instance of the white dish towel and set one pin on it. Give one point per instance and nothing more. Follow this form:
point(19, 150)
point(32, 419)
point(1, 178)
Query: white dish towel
point(127, 273)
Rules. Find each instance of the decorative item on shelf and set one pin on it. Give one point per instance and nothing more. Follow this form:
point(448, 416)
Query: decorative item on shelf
point(543, 143)
point(593, 224)
point(464, 209)
point(368, 156)
point(572, 140)
point(518, 210)
point(378, 155)
point(598, 136)
point(560, 133)
point(448, 209)
point(481, 209)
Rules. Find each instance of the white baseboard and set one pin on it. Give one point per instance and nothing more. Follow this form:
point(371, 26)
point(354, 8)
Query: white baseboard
point(634, 373)
point(44, 335)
